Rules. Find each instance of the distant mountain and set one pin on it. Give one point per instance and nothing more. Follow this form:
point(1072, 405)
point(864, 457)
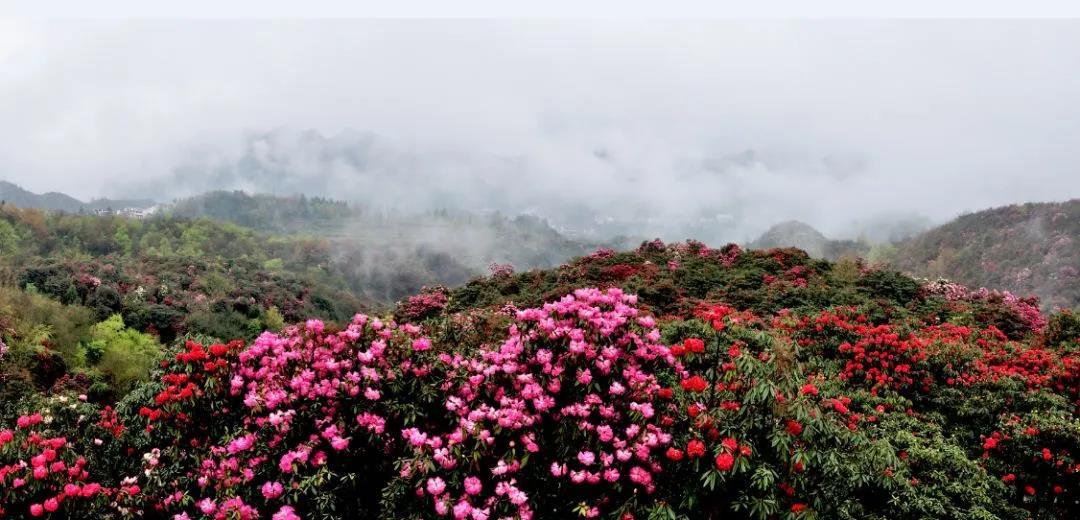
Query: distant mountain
point(803, 236)
point(1026, 248)
point(17, 196)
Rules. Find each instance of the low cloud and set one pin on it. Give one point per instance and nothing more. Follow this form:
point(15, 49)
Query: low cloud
point(710, 129)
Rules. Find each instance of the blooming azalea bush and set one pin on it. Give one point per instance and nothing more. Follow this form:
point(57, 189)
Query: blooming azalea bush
point(764, 439)
point(584, 371)
point(428, 303)
point(1035, 457)
point(44, 472)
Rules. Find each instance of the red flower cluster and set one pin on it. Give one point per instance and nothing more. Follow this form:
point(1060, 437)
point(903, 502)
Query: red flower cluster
point(185, 380)
point(689, 346)
point(694, 384)
point(46, 475)
point(730, 448)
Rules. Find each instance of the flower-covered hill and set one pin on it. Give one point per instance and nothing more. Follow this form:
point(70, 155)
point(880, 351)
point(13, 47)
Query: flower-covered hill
point(676, 279)
point(671, 382)
point(1027, 248)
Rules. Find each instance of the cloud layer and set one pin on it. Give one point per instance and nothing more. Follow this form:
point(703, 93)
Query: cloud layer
point(727, 126)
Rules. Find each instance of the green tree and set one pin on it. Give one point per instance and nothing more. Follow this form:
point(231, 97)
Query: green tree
point(272, 319)
point(123, 240)
point(273, 264)
point(127, 355)
point(193, 240)
point(881, 254)
point(9, 239)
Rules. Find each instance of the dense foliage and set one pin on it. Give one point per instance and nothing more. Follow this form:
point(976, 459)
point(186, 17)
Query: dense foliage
point(687, 382)
point(266, 212)
point(78, 287)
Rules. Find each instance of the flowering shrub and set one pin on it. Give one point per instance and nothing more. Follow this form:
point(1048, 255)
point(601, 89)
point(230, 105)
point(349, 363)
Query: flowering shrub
point(498, 270)
point(775, 443)
point(583, 369)
point(52, 478)
point(43, 473)
point(1025, 310)
point(429, 302)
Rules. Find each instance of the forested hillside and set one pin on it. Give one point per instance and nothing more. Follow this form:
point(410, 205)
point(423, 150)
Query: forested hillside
point(1026, 248)
point(264, 212)
point(70, 279)
point(805, 237)
point(386, 254)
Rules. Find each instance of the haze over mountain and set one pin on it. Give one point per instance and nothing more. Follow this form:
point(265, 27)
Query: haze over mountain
point(803, 236)
point(16, 195)
point(715, 130)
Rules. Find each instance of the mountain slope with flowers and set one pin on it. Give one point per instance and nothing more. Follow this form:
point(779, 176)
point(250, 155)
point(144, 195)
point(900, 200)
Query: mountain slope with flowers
point(1026, 248)
point(674, 381)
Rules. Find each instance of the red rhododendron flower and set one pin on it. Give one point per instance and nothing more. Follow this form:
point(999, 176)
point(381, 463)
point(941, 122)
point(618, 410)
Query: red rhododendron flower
point(674, 454)
point(695, 448)
point(794, 428)
point(694, 384)
point(725, 461)
point(798, 507)
point(786, 488)
point(809, 389)
point(694, 345)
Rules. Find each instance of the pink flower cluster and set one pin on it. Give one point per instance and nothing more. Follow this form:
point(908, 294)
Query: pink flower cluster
point(501, 270)
point(586, 363)
point(431, 300)
point(1026, 308)
point(302, 390)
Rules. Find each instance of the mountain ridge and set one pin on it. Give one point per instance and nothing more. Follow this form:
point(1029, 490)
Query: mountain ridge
point(14, 194)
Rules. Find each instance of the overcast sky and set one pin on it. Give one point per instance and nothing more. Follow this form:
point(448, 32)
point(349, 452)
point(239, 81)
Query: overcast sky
point(847, 120)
